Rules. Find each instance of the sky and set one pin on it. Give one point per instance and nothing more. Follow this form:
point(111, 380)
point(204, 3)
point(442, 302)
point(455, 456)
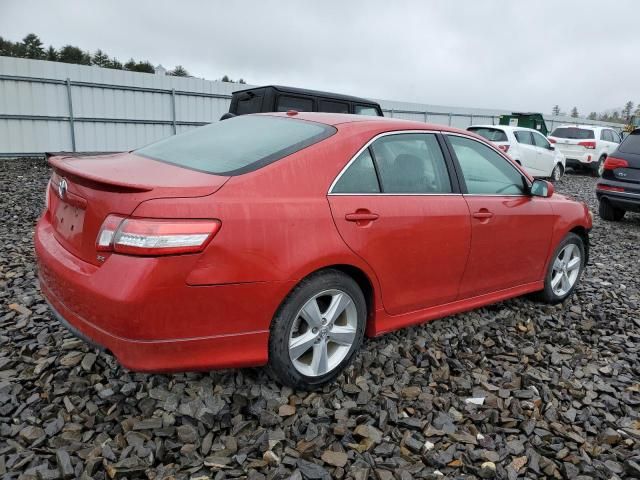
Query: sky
point(513, 55)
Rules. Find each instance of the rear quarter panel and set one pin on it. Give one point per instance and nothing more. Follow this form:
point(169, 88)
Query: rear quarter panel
point(276, 221)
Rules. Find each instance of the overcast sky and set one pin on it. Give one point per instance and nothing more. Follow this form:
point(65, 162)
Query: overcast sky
point(521, 55)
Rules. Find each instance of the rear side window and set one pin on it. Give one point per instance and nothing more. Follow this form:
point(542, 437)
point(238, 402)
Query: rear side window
point(332, 107)
point(491, 134)
point(631, 144)
point(573, 133)
point(411, 163)
point(237, 145)
point(360, 177)
point(366, 110)
point(248, 102)
point(286, 103)
point(524, 137)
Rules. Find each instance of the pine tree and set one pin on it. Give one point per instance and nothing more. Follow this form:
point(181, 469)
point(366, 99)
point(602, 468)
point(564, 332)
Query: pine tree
point(51, 54)
point(71, 54)
point(556, 110)
point(100, 59)
point(226, 79)
point(593, 116)
point(628, 108)
point(574, 112)
point(33, 46)
point(179, 71)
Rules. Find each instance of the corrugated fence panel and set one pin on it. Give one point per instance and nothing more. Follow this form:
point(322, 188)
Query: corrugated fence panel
point(115, 110)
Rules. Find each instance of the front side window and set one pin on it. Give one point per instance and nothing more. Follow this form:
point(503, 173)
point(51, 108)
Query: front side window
point(484, 171)
point(366, 110)
point(360, 177)
point(411, 163)
point(540, 141)
point(299, 104)
point(524, 137)
point(237, 145)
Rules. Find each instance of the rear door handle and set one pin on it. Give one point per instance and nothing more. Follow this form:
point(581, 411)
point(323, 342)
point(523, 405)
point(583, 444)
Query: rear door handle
point(483, 214)
point(361, 217)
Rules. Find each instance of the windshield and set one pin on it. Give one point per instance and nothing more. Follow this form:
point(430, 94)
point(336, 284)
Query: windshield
point(491, 134)
point(237, 145)
point(573, 133)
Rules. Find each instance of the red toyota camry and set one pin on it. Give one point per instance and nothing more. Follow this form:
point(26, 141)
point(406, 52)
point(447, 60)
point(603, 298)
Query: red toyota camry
point(283, 239)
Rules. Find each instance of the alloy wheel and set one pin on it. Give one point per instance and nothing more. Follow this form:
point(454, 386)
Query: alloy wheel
point(600, 167)
point(566, 268)
point(323, 332)
point(557, 173)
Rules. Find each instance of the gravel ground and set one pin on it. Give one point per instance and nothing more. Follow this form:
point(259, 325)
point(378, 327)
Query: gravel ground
point(518, 389)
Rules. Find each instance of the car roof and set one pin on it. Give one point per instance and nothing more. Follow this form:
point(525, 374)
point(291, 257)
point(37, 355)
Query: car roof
point(504, 127)
point(585, 127)
point(344, 118)
point(313, 93)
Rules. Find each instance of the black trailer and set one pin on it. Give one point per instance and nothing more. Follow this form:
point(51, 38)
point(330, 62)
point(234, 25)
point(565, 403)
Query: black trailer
point(274, 98)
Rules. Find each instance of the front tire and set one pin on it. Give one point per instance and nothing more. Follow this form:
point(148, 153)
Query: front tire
point(317, 330)
point(565, 269)
point(609, 212)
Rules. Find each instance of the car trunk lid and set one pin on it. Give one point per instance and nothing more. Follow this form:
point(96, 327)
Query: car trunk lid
point(84, 190)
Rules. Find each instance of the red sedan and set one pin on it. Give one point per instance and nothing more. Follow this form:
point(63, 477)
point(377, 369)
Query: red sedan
point(285, 238)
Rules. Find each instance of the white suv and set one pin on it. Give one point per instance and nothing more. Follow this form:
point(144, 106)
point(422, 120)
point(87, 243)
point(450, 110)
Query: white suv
point(585, 146)
point(527, 147)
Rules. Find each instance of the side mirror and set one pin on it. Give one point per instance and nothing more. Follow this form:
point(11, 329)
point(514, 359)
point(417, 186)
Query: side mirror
point(551, 147)
point(541, 188)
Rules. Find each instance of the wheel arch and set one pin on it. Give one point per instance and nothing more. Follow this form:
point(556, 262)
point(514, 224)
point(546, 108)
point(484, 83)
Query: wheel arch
point(583, 233)
point(363, 279)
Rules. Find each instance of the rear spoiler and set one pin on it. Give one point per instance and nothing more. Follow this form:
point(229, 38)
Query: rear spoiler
point(48, 155)
point(64, 163)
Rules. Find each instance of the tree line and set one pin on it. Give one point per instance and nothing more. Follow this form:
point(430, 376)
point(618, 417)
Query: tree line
point(32, 47)
point(615, 116)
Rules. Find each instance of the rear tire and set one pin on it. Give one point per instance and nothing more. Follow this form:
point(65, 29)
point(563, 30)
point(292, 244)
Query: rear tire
point(609, 212)
point(598, 169)
point(317, 330)
point(557, 173)
point(565, 270)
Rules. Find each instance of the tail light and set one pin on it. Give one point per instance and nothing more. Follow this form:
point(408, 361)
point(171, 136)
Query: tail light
point(609, 188)
point(588, 145)
point(611, 163)
point(552, 140)
point(504, 148)
point(47, 197)
point(144, 236)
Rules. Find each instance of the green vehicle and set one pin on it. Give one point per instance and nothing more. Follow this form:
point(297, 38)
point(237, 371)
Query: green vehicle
point(526, 120)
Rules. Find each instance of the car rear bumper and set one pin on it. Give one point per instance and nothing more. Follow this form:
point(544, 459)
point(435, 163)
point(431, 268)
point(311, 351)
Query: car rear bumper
point(142, 311)
point(573, 159)
point(628, 200)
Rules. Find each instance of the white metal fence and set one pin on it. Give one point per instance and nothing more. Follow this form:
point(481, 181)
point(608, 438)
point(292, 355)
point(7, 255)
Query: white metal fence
point(53, 107)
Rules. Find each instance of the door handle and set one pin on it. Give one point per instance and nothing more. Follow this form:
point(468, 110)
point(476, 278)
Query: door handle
point(361, 216)
point(483, 214)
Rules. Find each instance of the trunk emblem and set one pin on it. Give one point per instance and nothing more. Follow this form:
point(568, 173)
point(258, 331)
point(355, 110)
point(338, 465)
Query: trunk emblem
point(62, 188)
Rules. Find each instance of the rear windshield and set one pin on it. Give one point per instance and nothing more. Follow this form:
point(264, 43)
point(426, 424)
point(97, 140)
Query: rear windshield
point(491, 134)
point(237, 145)
point(631, 144)
point(573, 133)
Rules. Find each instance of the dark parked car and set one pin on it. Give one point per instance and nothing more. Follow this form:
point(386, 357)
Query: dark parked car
point(618, 190)
point(273, 98)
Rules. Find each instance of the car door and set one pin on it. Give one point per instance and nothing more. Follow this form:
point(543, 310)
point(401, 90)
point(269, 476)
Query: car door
point(398, 208)
point(546, 156)
point(510, 230)
point(529, 155)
